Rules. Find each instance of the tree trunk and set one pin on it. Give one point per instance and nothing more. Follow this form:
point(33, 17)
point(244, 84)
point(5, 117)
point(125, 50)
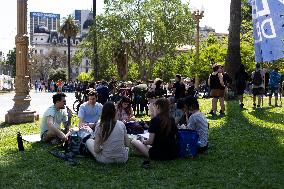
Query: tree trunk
point(68, 59)
point(233, 59)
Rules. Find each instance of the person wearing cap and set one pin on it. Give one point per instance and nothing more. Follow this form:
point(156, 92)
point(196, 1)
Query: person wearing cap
point(258, 78)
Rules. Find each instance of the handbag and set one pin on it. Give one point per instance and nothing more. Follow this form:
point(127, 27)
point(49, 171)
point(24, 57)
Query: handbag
point(77, 142)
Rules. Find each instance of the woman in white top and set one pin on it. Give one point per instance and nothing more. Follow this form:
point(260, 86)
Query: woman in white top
point(111, 142)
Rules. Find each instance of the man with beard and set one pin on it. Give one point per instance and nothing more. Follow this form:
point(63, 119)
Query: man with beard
point(52, 119)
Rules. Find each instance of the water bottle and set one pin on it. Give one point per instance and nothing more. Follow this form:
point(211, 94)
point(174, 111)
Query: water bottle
point(20, 142)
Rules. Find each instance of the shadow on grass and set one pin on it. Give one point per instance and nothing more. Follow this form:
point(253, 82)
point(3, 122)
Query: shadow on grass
point(242, 154)
point(266, 115)
point(4, 125)
point(248, 154)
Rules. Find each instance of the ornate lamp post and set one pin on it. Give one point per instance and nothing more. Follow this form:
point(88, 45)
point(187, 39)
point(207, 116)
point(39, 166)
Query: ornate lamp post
point(96, 61)
point(197, 16)
point(21, 113)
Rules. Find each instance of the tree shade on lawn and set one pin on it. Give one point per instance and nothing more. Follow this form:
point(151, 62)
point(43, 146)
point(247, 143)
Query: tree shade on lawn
point(246, 151)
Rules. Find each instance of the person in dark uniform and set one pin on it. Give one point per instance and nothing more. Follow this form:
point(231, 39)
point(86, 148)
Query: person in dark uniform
point(178, 88)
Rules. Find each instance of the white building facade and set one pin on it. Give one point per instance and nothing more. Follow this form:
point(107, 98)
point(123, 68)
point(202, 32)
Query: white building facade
point(45, 42)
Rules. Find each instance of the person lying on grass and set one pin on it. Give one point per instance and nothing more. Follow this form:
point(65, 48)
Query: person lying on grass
point(162, 142)
point(197, 121)
point(52, 119)
point(110, 143)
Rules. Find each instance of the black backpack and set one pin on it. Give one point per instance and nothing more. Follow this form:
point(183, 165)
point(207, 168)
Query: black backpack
point(257, 78)
point(77, 142)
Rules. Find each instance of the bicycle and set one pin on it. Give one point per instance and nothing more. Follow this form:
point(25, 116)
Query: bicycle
point(79, 100)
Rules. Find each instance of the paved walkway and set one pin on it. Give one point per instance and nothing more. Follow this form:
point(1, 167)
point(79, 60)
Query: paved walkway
point(40, 102)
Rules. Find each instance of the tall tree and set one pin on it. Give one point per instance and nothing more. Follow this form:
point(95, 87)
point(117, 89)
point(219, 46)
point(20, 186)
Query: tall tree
point(233, 59)
point(153, 28)
point(42, 64)
point(11, 62)
point(69, 29)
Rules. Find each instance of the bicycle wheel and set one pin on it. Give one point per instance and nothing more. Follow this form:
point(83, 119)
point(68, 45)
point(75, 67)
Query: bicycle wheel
point(76, 105)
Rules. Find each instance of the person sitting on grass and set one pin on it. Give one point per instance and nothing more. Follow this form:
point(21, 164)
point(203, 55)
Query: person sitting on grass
point(162, 141)
point(52, 119)
point(197, 121)
point(124, 110)
point(175, 112)
point(110, 143)
point(90, 111)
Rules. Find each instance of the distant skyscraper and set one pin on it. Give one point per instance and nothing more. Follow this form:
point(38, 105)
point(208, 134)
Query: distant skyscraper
point(81, 16)
point(49, 20)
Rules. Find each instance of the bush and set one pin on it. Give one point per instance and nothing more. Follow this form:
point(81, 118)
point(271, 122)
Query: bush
point(83, 76)
point(57, 74)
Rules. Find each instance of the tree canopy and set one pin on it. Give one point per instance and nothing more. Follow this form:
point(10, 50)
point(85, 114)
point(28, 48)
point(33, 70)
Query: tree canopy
point(69, 29)
point(153, 29)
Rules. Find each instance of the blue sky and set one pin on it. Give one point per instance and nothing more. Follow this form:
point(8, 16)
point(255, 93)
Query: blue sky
point(217, 13)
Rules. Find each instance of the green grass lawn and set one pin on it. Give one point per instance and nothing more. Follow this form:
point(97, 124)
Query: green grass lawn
point(246, 151)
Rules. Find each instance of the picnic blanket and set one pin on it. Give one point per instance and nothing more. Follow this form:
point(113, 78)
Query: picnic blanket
point(32, 137)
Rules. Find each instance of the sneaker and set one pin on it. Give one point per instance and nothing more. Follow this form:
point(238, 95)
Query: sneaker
point(276, 105)
point(211, 112)
point(254, 106)
point(258, 106)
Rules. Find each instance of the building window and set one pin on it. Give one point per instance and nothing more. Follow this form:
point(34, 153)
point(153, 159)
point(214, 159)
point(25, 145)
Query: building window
point(35, 51)
point(41, 51)
point(65, 52)
point(41, 39)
